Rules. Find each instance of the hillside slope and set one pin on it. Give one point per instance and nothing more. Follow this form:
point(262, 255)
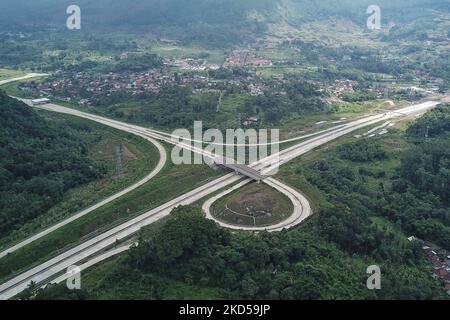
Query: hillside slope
point(231, 14)
point(39, 161)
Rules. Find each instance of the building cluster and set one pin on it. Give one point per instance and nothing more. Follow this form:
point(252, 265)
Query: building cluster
point(190, 64)
point(341, 87)
point(250, 121)
point(256, 89)
point(441, 266)
point(440, 259)
point(67, 86)
point(245, 58)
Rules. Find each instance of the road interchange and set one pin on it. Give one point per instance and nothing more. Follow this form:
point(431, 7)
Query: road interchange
point(58, 264)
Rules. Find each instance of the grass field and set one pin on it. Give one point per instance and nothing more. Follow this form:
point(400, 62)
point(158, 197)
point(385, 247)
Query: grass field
point(8, 74)
point(253, 205)
point(12, 88)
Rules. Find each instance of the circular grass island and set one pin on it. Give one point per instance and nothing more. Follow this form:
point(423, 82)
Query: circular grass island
point(254, 205)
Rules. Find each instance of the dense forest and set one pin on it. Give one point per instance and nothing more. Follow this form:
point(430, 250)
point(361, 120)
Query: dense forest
point(39, 162)
point(167, 13)
point(416, 197)
point(307, 263)
point(216, 23)
point(421, 194)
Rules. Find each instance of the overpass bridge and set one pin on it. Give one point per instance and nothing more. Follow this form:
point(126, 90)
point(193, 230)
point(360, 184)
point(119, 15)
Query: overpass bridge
point(239, 168)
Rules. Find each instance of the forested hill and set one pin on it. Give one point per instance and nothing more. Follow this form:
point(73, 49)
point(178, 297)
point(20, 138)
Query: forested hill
point(39, 161)
point(203, 15)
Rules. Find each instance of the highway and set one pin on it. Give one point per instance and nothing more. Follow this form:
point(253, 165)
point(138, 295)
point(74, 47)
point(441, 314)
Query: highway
point(97, 259)
point(56, 265)
point(25, 77)
point(304, 210)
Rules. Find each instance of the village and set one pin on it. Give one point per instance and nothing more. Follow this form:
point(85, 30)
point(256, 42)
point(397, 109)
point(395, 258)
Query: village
point(82, 86)
point(440, 260)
